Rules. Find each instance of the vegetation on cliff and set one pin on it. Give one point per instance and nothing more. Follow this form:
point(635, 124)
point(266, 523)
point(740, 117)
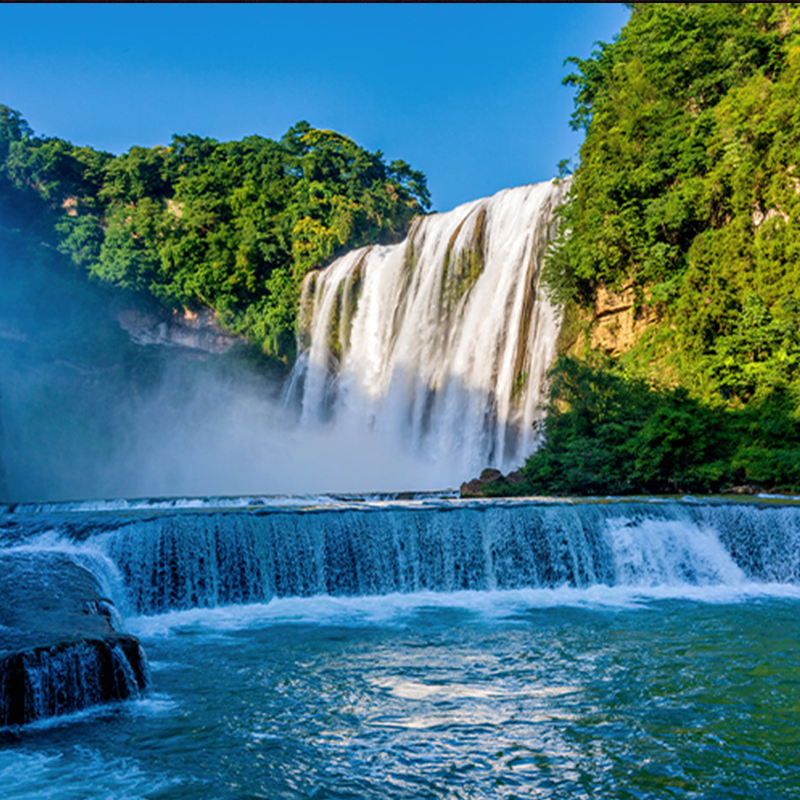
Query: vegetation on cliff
point(687, 197)
point(233, 226)
point(609, 433)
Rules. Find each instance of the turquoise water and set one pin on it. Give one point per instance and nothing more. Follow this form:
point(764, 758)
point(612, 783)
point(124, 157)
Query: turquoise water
point(492, 696)
point(598, 651)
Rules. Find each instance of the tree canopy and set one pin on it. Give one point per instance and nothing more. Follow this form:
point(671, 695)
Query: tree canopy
point(688, 189)
point(233, 226)
point(610, 433)
point(687, 195)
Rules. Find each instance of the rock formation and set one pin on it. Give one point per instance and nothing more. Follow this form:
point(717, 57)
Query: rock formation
point(60, 647)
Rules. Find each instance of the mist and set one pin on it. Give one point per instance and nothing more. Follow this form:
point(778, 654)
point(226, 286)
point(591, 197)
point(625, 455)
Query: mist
point(176, 423)
point(85, 413)
point(214, 431)
point(420, 399)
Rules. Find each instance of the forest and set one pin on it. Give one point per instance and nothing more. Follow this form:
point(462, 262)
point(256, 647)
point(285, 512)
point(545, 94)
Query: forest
point(687, 196)
point(231, 226)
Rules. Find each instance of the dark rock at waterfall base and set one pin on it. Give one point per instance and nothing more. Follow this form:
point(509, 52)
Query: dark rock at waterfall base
point(489, 477)
point(69, 676)
point(473, 488)
point(60, 650)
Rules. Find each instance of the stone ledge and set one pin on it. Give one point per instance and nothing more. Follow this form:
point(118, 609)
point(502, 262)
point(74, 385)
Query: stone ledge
point(60, 647)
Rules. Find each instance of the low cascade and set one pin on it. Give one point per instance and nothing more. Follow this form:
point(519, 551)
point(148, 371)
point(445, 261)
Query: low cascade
point(64, 569)
point(439, 344)
point(62, 644)
point(181, 560)
point(51, 681)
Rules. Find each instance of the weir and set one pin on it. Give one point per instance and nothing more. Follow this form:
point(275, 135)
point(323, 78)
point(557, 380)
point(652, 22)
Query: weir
point(167, 560)
point(66, 567)
point(439, 344)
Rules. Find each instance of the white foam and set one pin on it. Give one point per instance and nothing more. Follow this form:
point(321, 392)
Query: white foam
point(152, 705)
point(655, 552)
point(400, 609)
point(243, 502)
point(433, 364)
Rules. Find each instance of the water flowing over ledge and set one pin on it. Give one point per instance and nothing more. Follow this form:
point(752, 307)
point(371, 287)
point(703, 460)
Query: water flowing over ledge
point(62, 643)
point(155, 561)
point(238, 562)
point(439, 344)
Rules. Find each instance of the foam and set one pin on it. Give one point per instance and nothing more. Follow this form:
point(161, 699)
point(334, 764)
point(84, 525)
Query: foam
point(400, 609)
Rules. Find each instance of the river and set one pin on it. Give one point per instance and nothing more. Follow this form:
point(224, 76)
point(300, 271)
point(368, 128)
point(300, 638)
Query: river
point(370, 647)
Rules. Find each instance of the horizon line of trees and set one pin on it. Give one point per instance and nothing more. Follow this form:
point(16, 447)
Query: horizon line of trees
point(232, 226)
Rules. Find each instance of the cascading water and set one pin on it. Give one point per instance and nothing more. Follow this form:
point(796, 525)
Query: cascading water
point(62, 645)
point(169, 559)
point(377, 648)
point(438, 345)
point(417, 645)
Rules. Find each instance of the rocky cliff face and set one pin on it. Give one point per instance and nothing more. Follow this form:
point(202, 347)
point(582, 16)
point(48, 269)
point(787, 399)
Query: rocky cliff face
point(616, 322)
point(613, 324)
point(197, 330)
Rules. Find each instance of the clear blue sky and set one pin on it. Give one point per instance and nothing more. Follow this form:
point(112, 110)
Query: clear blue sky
point(470, 94)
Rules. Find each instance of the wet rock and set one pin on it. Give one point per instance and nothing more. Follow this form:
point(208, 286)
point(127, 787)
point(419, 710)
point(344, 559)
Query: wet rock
point(473, 488)
point(489, 476)
point(515, 478)
point(61, 649)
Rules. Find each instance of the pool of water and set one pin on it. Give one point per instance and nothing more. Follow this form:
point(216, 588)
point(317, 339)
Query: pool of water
point(553, 693)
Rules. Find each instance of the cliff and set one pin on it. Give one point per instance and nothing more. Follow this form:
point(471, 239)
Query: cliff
point(676, 263)
point(195, 330)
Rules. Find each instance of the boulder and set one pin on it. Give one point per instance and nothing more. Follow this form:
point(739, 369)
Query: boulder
point(61, 647)
point(475, 487)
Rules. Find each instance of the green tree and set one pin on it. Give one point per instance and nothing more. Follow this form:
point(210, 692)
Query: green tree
point(232, 226)
point(686, 190)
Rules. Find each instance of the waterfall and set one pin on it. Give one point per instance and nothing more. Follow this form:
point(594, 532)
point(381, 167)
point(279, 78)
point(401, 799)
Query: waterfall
point(205, 557)
point(62, 643)
point(50, 681)
point(63, 647)
point(438, 345)
point(189, 560)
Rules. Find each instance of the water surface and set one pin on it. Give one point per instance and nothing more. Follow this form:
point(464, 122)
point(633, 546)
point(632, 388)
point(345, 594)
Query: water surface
point(606, 650)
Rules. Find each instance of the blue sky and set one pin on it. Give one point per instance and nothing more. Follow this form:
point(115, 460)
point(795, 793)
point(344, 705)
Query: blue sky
point(470, 94)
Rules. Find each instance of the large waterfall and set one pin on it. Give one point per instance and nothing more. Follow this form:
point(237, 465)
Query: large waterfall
point(410, 645)
point(437, 345)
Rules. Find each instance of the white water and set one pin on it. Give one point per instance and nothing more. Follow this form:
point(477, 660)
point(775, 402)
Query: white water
point(438, 346)
point(206, 565)
point(320, 647)
point(362, 558)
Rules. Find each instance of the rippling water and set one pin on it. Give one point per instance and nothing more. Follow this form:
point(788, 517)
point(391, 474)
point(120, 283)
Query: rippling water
point(552, 693)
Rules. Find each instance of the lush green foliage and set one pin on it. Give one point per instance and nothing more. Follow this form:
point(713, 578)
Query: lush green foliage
point(607, 434)
point(688, 189)
point(233, 226)
point(688, 192)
